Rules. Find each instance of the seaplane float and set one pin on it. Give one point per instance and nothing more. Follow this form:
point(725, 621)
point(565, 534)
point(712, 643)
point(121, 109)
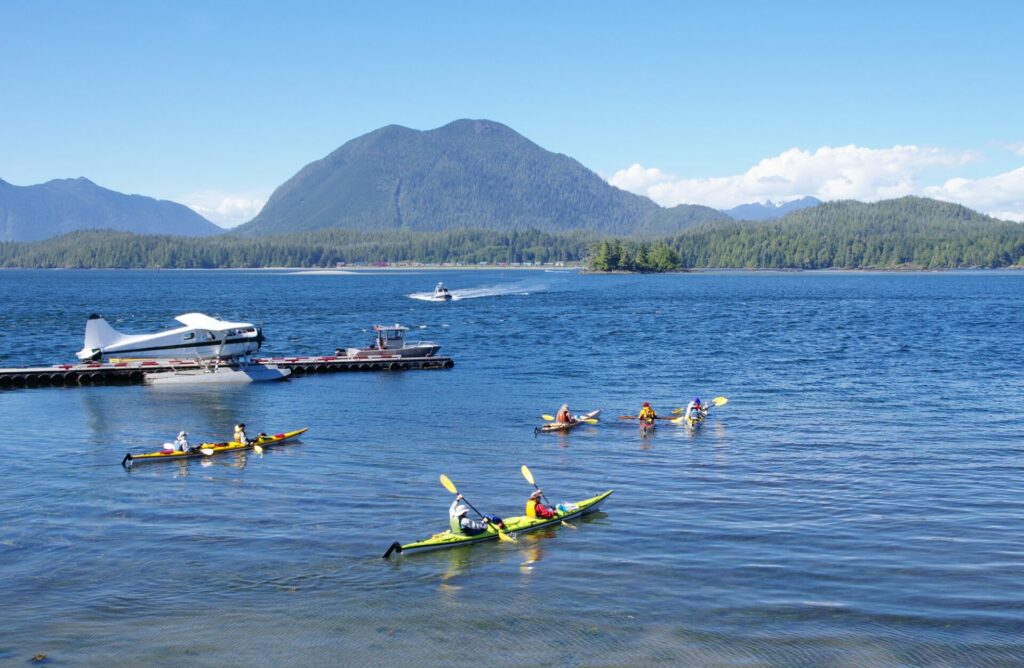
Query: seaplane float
point(389, 342)
point(220, 348)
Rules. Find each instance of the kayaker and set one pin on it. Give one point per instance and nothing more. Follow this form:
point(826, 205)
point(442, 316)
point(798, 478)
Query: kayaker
point(563, 416)
point(240, 436)
point(534, 508)
point(647, 413)
point(694, 409)
point(460, 521)
point(181, 443)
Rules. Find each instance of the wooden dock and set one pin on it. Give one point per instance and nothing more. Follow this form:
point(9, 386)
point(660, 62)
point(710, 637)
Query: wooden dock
point(134, 372)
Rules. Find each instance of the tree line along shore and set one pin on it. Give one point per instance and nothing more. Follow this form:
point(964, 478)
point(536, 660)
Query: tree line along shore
point(905, 234)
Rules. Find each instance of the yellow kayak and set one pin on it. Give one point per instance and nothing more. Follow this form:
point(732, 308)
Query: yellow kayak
point(263, 441)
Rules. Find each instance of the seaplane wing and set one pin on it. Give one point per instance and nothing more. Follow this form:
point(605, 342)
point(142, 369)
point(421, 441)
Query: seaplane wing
point(203, 321)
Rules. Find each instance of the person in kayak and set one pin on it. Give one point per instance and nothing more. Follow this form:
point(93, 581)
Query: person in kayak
point(460, 522)
point(240, 436)
point(563, 416)
point(534, 508)
point(647, 414)
point(181, 443)
point(695, 410)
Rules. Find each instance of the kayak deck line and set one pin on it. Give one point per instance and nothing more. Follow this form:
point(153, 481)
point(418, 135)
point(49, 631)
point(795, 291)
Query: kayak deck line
point(218, 449)
point(513, 527)
point(134, 372)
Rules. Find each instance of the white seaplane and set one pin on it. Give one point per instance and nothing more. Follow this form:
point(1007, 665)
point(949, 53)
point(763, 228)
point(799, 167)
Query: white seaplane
point(220, 347)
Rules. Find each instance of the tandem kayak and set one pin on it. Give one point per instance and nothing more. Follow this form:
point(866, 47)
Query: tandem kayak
point(513, 526)
point(218, 448)
point(567, 426)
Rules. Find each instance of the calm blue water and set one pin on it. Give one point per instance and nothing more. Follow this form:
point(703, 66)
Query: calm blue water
point(856, 503)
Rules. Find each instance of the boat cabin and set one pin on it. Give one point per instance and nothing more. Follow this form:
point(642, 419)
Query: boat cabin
point(389, 336)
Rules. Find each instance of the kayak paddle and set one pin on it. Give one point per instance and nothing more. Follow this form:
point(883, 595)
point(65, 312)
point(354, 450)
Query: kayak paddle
point(450, 486)
point(551, 418)
point(637, 417)
point(529, 478)
point(717, 401)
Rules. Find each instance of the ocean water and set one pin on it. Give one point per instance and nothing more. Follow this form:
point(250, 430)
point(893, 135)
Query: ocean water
point(856, 503)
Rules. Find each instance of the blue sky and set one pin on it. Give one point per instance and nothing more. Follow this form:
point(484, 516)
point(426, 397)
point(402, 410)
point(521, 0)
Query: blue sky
point(216, 103)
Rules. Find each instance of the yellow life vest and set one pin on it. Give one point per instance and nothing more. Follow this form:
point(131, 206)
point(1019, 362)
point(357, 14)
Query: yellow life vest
point(531, 508)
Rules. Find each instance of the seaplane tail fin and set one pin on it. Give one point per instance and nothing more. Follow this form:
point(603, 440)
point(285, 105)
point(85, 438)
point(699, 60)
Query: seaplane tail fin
point(99, 333)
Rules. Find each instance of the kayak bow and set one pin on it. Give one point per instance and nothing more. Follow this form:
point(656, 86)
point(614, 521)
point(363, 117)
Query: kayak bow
point(513, 525)
point(217, 449)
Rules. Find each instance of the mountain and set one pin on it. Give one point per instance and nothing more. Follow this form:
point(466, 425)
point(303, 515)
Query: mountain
point(908, 232)
point(30, 213)
point(468, 174)
point(769, 210)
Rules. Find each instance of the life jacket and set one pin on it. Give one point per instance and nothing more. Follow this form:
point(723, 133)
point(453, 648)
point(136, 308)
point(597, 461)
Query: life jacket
point(455, 524)
point(647, 413)
point(531, 508)
point(239, 436)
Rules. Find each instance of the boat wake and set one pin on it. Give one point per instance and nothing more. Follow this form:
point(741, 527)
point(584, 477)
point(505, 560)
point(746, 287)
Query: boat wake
point(483, 291)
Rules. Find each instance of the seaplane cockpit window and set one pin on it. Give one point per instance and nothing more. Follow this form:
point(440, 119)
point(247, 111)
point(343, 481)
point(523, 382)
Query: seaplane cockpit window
point(189, 336)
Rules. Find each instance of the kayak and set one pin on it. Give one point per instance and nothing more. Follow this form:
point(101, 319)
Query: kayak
point(513, 526)
point(647, 427)
point(567, 426)
point(218, 448)
point(694, 422)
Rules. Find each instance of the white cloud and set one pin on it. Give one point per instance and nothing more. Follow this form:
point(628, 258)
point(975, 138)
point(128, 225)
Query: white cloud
point(843, 172)
point(1017, 147)
point(225, 209)
point(1001, 195)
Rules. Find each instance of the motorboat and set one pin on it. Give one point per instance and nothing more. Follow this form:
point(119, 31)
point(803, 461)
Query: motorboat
point(219, 374)
point(201, 337)
point(389, 342)
point(441, 294)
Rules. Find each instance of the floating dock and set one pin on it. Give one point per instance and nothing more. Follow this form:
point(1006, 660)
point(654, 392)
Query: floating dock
point(134, 372)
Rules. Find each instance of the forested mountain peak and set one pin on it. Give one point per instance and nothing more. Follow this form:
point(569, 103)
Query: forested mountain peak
point(469, 173)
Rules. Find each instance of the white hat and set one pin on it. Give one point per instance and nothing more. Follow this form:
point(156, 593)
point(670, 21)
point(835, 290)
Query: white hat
point(182, 435)
point(460, 510)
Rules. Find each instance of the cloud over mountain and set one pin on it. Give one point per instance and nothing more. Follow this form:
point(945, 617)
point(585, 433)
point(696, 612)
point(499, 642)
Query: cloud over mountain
point(829, 173)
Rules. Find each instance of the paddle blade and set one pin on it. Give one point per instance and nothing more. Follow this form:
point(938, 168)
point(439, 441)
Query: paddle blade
point(678, 420)
point(448, 484)
point(590, 421)
point(527, 474)
point(206, 451)
point(258, 449)
point(678, 411)
point(549, 418)
point(566, 524)
point(719, 401)
point(506, 538)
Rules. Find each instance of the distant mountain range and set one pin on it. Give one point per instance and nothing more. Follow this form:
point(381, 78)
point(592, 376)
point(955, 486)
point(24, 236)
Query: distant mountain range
point(468, 174)
point(29, 213)
point(769, 210)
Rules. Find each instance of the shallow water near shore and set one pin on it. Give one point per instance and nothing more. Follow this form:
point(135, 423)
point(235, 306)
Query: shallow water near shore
point(857, 502)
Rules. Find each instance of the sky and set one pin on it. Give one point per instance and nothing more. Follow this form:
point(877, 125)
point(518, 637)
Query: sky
point(215, 104)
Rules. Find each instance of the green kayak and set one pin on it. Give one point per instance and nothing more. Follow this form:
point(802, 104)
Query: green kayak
point(513, 526)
